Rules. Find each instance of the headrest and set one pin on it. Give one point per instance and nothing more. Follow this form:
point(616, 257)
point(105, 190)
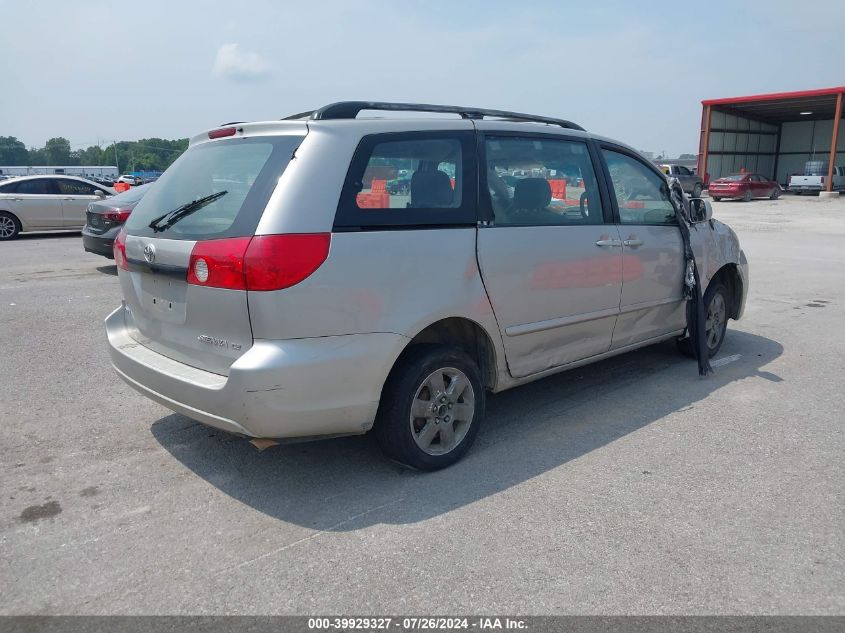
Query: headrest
point(431, 189)
point(532, 193)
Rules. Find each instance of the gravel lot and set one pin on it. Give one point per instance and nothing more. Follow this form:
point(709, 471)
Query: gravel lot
point(627, 487)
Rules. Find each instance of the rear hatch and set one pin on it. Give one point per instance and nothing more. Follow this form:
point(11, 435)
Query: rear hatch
point(212, 197)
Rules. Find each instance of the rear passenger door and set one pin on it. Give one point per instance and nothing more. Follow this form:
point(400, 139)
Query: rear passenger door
point(76, 196)
point(550, 258)
point(652, 249)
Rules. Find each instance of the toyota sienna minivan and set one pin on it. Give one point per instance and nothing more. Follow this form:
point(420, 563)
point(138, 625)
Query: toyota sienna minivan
point(275, 286)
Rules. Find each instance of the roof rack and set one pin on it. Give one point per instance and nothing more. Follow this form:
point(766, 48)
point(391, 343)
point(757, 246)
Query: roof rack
point(350, 110)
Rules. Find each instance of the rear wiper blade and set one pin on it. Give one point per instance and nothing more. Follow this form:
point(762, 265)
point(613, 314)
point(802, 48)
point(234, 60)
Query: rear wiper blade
point(164, 222)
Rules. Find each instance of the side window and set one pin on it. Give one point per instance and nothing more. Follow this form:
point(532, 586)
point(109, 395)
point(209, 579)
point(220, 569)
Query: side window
point(75, 188)
point(411, 179)
point(412, 175)
point(642, 195)
point(537, 181)
point(683, 171)
point(39, 186)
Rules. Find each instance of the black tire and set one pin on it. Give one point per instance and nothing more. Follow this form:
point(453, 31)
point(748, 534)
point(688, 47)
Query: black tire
point(775, 194)
point(696, 191)
point(715, 288)
point(10, 226)
point(746, 197)
point(394, 428)
point(716, 199)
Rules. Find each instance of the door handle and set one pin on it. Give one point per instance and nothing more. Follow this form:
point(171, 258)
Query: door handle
point(70, 198)
point(633, 242)
point(608, 242)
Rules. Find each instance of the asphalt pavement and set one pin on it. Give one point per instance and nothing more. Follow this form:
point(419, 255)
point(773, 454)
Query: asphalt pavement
point(631, 486)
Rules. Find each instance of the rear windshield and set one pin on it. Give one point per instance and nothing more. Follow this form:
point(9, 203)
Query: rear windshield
point(237, 176)
point(736, 177)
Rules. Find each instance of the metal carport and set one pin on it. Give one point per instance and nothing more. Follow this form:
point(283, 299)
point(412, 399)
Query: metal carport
point(772, 134)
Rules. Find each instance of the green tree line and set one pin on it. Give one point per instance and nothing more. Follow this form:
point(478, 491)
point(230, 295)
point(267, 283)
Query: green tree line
point(146, 154)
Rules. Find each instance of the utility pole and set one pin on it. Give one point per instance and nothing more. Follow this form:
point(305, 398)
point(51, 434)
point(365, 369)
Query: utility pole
point(116, 163)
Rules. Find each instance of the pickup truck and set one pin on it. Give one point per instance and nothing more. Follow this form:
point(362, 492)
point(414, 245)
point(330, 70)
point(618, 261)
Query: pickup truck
point(690, 183)
point(814, 183)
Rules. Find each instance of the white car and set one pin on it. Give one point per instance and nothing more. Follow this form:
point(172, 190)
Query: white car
point(131, 180)
point(46, 203)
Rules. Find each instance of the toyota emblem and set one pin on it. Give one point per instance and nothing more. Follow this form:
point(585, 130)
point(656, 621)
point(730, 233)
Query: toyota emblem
point(150, 253)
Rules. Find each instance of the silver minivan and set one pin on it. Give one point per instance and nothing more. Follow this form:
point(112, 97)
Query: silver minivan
point(275, 286)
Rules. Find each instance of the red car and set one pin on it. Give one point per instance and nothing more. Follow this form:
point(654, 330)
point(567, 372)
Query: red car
point(744, 186)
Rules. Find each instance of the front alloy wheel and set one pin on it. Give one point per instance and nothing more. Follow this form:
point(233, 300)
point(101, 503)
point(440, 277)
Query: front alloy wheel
point(715, 321)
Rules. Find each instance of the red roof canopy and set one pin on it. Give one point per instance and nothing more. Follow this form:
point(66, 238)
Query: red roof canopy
point(778, 107)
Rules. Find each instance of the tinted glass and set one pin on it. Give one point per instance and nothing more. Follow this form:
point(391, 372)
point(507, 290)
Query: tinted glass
point(38, 186)
point(419, 179)
point(132, 195)
point(541, 181)
point(642, 195)
point(412, 174)
point(75, 187)
point(247, 170)
point(683, 171)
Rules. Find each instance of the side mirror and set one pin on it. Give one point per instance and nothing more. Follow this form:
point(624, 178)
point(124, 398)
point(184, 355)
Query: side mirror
point(99, 193)
point(700, 210)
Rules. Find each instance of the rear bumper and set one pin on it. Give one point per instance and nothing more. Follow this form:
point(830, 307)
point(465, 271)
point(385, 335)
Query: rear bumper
point(725, 193)
point(98, 244)
point(295, 388)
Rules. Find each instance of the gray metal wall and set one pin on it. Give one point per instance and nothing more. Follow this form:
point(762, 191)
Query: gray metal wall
point(738, 142)
point(807, 140)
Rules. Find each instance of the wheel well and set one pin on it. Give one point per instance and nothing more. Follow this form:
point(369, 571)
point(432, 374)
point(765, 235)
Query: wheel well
point(467, 336)
point(729, 275)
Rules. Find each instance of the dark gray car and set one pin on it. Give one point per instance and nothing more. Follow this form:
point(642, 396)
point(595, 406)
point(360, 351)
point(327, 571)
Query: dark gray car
point(104, 219)
point(691, 183)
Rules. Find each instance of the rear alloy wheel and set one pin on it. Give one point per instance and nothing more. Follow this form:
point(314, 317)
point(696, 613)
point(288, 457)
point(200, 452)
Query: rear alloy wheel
point(746, 197)
point(10, 227)
point(431, 407)
point(696, 191)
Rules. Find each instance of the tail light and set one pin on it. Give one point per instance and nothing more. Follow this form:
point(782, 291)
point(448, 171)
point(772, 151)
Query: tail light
point(822, 180)
point(263, 262)
point(119, 249)
point(117, 216)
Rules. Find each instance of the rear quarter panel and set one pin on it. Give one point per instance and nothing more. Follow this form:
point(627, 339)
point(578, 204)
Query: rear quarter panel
point(395, 281)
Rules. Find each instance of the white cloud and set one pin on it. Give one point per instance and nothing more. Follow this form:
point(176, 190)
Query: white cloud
point(240, 65)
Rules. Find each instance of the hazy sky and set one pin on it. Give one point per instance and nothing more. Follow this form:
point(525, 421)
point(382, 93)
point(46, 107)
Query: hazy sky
point(636, 71)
